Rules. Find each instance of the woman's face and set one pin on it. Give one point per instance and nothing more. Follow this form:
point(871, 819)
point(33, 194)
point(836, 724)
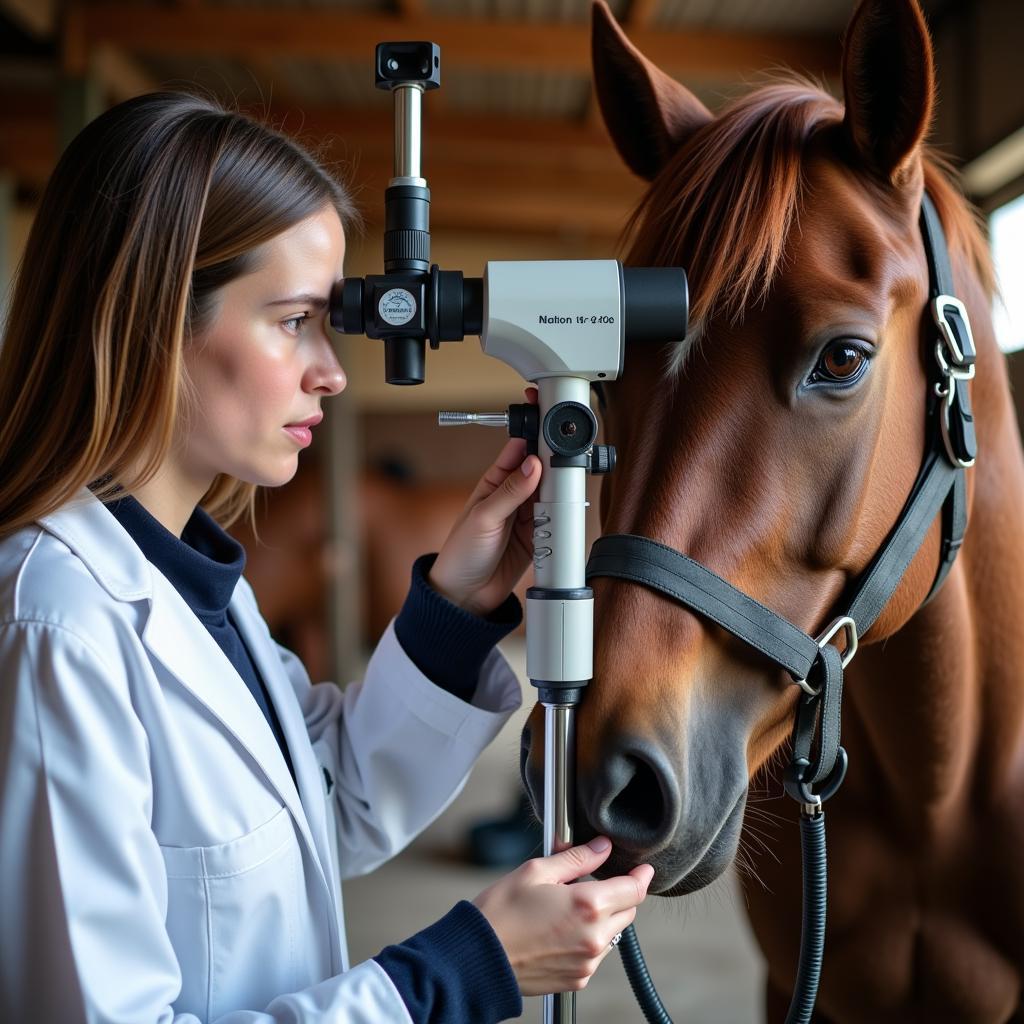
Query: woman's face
point(265, 360)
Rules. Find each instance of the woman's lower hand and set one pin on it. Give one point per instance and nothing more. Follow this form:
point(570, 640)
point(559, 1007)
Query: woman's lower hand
point(491, 544)
point(554, 934)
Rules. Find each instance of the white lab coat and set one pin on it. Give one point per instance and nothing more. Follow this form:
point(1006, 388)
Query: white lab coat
point(156, 860)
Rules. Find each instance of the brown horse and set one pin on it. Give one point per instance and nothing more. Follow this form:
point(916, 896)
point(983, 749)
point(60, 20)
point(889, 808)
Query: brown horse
point(778, 448)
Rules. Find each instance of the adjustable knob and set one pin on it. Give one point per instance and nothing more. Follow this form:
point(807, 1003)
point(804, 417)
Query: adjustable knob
point(521, 420)
point(602, 459)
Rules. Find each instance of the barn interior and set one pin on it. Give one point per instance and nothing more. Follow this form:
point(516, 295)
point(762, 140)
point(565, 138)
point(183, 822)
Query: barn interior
point(520, 166)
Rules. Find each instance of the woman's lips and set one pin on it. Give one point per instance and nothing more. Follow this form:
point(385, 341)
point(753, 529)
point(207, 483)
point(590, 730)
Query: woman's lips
point(302, 431)
point(303, 435)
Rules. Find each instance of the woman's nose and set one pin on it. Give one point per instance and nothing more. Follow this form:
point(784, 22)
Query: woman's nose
point(325, 374)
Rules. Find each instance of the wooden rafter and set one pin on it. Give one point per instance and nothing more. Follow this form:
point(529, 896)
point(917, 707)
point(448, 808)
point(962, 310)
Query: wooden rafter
point(478, 43)
point(510, 174)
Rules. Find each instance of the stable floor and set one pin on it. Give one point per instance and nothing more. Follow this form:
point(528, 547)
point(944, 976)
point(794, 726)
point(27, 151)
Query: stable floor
point(699, 949)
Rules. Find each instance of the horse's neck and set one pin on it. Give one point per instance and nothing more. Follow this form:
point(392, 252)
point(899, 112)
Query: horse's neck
point(941, 702)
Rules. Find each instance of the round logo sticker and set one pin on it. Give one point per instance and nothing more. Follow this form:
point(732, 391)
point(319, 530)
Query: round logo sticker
point(397, 306)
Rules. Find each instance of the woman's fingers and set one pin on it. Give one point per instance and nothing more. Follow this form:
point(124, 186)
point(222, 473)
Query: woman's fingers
point(556, 934)
point(613, 895)
point(511, 457)
point(572, 863)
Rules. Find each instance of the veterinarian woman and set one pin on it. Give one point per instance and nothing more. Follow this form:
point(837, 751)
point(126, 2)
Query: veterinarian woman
point(177, 803)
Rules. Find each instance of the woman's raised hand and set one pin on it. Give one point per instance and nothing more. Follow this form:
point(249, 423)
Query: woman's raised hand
point(555, 934)
point(491, 544)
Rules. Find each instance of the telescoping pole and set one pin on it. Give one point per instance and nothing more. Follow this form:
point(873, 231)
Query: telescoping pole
point(559, 631)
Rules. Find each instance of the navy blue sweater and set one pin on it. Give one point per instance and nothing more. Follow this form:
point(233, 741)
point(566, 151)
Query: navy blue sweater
point(456, 970)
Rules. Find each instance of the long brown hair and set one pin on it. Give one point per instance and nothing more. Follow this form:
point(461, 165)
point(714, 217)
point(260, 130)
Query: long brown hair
point(151, 209)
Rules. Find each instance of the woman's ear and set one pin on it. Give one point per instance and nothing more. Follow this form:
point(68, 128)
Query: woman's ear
point(888, 84)
point(648, 113)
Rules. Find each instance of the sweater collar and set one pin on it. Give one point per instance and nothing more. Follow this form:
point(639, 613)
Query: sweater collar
point(203, 565)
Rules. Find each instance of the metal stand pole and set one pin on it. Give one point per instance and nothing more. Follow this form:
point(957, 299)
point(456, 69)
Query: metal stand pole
point(559, 782)
point(559, 635)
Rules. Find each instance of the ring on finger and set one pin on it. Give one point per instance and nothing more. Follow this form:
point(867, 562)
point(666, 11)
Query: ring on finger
point(615, 940)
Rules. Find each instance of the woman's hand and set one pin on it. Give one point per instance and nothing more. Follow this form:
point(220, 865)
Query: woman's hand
point(491, 544)
point(556, 935)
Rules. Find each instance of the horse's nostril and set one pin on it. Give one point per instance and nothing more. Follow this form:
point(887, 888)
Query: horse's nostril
point(634, 803)
point(640, 804)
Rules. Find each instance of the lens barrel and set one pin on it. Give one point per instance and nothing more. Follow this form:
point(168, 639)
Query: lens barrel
point(656, 304)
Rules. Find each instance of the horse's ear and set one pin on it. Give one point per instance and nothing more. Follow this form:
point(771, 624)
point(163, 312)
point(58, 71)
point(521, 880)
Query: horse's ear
point(647, 112)
point(888, 83)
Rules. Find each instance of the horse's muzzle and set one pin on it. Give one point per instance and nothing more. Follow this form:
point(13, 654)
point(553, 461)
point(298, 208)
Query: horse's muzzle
point(685, 822)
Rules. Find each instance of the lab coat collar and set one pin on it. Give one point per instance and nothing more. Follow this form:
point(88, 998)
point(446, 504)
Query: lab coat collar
point(92, 533)
point(174, 635)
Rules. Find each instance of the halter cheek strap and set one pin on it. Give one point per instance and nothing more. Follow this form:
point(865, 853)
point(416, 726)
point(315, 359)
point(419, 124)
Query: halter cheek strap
point(817, 768)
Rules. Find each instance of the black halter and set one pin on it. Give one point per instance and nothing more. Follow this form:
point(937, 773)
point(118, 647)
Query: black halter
point(814, 662)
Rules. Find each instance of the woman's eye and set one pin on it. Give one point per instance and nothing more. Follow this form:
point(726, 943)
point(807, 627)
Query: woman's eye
point(296, 321)
point(841, 363)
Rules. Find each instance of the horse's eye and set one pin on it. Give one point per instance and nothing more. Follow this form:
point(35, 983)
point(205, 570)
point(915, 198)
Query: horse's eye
point(841, 363)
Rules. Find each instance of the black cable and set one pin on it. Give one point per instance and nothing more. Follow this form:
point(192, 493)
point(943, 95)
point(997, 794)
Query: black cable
point(640, 979)
point(812, 932)
point(812, 936)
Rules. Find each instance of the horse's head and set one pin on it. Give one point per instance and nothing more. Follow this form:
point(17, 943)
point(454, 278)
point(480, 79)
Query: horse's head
point(777, 446)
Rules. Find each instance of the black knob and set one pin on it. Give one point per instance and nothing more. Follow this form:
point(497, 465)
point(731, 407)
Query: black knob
point(524, 421)
point(602, 459)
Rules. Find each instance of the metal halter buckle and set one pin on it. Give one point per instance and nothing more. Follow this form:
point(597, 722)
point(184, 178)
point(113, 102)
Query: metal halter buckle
point(843, 622)
point(956, 357)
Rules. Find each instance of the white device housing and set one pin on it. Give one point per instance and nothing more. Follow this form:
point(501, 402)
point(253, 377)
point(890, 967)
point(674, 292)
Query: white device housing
point(548, 318)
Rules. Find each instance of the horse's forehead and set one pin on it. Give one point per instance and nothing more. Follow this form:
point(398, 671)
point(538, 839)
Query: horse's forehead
point(841, 211)
point(853, 248)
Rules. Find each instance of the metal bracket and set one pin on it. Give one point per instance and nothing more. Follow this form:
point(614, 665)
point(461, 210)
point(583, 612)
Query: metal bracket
point(843, 622)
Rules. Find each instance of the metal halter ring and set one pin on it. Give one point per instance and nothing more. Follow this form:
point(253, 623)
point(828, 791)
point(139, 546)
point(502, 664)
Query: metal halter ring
point(843, 622)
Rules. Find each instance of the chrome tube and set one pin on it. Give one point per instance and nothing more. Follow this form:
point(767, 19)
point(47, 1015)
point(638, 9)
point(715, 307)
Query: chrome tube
point(408, 131)
point(559, 785)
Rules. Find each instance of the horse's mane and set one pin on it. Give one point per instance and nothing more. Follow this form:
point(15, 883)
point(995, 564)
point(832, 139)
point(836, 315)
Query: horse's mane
point(727, 201)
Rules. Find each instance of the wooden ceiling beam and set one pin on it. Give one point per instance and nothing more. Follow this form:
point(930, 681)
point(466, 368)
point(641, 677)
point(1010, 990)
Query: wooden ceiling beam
point(488, 136)
point(499, 187)
point(478, 142)
point(489, 189)
point(487, 43)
